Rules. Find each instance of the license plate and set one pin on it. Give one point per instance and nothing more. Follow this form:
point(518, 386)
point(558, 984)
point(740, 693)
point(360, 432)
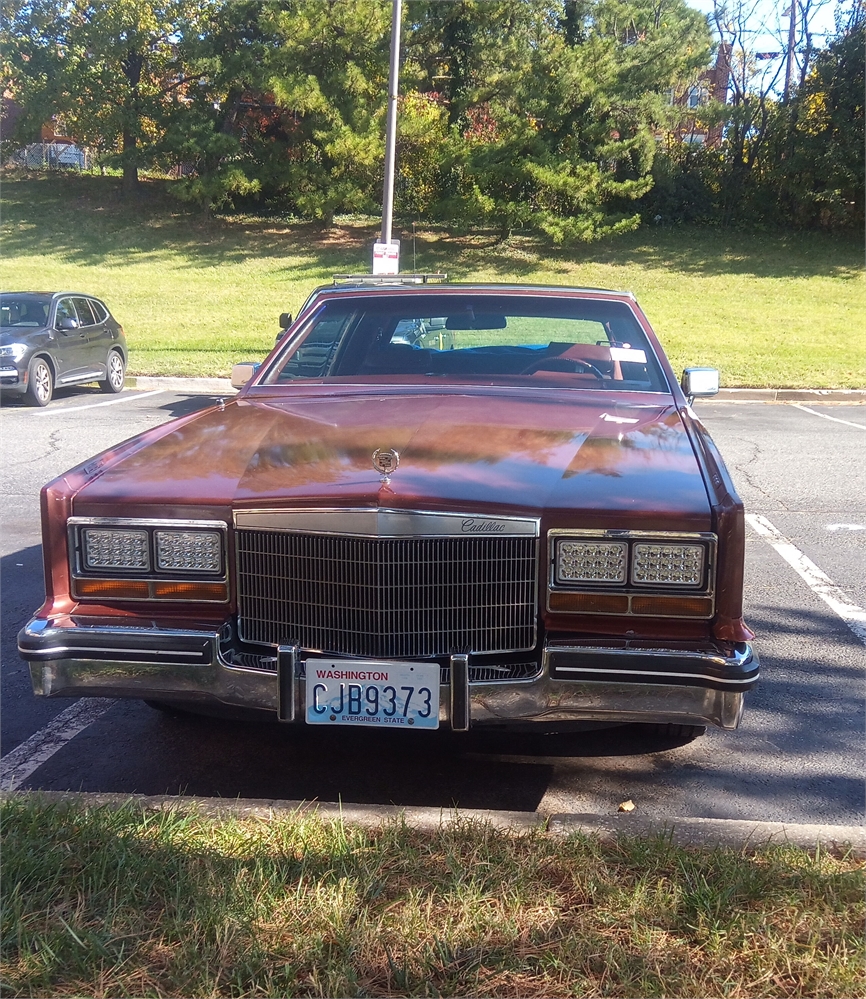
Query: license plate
point(395, 695)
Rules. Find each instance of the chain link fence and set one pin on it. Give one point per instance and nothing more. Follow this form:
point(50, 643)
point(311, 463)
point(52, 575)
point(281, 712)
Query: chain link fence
point(51, 156)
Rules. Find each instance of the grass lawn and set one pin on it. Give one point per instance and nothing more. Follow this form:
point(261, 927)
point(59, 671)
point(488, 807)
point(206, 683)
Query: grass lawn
point(197, 295)
point(120, 902)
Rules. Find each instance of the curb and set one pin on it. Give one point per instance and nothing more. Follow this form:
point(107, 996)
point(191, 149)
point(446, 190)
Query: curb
point(206, 386)
point(788, 395)
point(223, 386)
point(704, 833)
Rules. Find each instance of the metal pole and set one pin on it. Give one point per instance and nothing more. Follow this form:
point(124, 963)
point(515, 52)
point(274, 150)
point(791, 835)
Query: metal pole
point(391, 132)
point(792, 37)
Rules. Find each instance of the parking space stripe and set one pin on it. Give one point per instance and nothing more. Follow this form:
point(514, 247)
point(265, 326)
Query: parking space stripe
point(816, 580)
point(825, 416)
point(49, 411)
point(17, 766)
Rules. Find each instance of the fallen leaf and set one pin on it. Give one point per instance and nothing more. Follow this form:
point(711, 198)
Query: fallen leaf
point(626, 806)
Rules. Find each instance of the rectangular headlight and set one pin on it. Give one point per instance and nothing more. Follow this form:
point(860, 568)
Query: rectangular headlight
point(668, 565)
point(112, 548)
point(190, 551)
point(591, 561)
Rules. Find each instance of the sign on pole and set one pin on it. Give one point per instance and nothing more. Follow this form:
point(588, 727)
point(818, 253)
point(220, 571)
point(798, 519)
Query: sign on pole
point(386, 257)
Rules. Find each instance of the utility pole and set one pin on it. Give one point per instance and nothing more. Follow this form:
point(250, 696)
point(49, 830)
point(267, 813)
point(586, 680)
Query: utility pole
point(391, 132)
point(789, 62)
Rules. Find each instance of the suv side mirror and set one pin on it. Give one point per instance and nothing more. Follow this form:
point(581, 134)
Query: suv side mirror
point(285, 320)
point(242, 373)
point(67, 324)
point(700, 383)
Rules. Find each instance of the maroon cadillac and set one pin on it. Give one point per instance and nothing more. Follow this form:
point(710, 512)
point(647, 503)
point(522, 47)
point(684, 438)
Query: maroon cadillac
point(433, 505)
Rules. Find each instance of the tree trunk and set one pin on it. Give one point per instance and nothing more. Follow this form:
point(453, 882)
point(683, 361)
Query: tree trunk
point(131, 66)
point(130, 163)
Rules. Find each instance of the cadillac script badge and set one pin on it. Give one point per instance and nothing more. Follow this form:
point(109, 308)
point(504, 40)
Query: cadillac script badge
point(385, 461)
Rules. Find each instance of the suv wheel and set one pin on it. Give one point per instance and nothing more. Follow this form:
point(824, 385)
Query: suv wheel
point(40, 382)
point(115, 374)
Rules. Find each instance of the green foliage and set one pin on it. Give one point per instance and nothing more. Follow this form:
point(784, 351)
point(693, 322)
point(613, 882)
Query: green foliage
point(329, 65)
point(515, 114)
point(552, 108)
point(112, 70)
point(796, 163)
point(819, 164)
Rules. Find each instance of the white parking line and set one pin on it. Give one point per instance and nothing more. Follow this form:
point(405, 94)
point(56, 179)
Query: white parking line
point(816, 580)
point(95, 405)
point(16, 767)
point(835, 419)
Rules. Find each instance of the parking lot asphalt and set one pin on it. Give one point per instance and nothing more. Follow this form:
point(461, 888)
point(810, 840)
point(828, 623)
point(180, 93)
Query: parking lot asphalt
point(794, 770)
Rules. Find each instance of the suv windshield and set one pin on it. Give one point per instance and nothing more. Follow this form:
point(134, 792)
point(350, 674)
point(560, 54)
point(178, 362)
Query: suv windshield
point(23, 310)
point(495, 338)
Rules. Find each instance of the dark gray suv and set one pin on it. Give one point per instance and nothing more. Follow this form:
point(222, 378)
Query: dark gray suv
point(51, 339)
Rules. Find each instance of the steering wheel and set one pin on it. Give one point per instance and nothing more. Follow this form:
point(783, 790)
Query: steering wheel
point(573, 364)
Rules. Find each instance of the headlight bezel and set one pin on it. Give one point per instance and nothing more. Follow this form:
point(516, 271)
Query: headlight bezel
point(13, 351)
point(154, 575)
point(632, 591)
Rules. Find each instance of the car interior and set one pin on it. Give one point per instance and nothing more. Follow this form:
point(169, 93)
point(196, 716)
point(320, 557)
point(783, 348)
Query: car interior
point(577, 342)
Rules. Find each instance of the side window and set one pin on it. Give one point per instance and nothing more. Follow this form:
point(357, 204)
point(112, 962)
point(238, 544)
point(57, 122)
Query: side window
point(312, 359)
point(99, 312)
point(65, 310)
point(85, 316)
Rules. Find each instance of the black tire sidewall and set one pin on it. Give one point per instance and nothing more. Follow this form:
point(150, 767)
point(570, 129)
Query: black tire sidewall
point(31, 397)
point(106, 385)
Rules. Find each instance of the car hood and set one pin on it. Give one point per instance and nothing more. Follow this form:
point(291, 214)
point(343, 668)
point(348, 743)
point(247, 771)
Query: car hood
point(15, 334)
point(503, 451)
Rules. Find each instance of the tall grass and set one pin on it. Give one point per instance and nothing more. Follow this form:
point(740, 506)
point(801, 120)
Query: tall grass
point(196, 295)
point(106, 901)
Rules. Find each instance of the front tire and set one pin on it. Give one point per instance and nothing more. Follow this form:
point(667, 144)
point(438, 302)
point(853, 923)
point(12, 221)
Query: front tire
point(115, 374)
point(40, 383)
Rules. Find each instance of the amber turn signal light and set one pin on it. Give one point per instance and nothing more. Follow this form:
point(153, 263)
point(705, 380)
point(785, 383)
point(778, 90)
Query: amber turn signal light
point(589, 603)
point(116, 589)
point(190, 591)
point(672, 606)
point(156, 589)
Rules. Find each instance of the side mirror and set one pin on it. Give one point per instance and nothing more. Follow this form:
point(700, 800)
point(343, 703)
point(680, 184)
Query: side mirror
point(700, 383)
point(285, 320)
point(242, 373)
point(67, 324)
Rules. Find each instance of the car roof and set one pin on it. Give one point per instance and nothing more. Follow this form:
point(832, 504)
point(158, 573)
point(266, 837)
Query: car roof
point(50, 294)
point(375, 286)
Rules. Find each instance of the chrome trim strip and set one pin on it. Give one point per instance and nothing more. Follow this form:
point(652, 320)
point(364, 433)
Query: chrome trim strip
point(460, 707)
point(615, 533)
point(87, 376)
point(287, 682)
point(733, 667)
point(740, 653)
point(385, 523)
point(641, 672)
point(146, 522)
point(59, 649)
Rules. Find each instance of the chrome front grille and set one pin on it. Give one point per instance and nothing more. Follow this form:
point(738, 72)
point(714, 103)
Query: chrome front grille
point(391, 597)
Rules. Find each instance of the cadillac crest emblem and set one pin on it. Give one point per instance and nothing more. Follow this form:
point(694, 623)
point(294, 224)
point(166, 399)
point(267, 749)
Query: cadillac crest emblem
point(385, 461)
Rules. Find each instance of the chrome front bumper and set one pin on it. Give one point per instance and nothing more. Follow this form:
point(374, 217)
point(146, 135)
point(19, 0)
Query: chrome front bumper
point(577, 682)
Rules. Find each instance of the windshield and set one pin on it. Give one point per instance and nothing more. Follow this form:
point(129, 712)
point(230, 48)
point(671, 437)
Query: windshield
point(23, 310)
point(493, 338)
